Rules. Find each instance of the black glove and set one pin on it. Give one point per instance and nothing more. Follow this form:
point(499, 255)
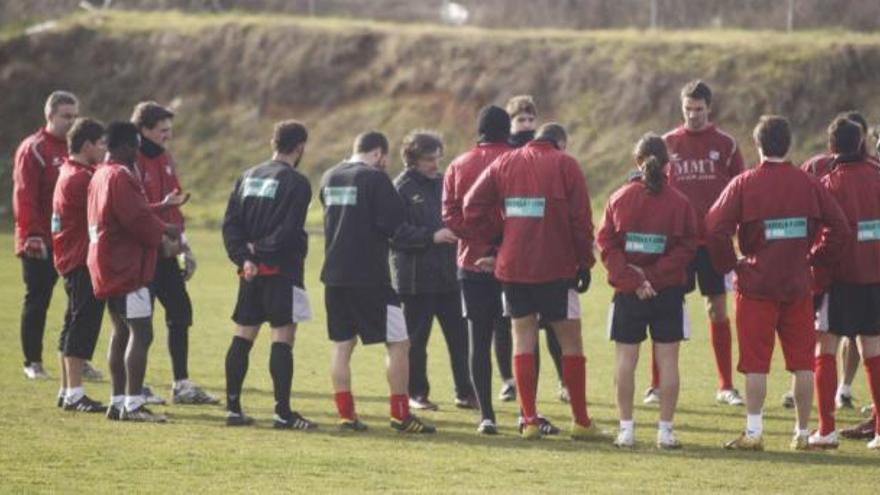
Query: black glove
point(583, 280)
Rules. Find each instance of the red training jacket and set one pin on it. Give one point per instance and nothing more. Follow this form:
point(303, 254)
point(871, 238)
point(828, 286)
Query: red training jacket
point(700, 166)
point(776, 210)
point(547, 223)
point(70, 229)
point(856, 187)
point(656, 232)
point(34, 174)
point(159, 177)
point(460, 176)
point(124, 232)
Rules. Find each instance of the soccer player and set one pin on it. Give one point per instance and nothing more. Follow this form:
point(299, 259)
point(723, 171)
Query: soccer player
point(851, 306)
point(264, 234)
point(157, 171)
point(362, 212)
point(70, 244)
point(125, 236)
point(702, 160)
point(546, 249)
point(481, 291)
point(647, 240)
point(423, 270)
point(775, 210)
point(523, 123)
point(34, 174)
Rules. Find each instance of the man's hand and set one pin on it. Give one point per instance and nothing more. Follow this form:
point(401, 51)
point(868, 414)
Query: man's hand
point(646, 291)
point(444, 236)
point(189, 264)
point(35, 247)
point(486, 264)
point(249, 271)
point(174, 198)
point(583, 280)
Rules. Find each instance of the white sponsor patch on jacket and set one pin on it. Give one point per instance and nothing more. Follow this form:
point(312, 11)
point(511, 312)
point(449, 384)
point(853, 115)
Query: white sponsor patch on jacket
point(259, 188)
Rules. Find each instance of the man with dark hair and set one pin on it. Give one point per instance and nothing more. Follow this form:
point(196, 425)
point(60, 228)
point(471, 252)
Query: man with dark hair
point(34, 174)
point(776, 211)
point(702, 160)
point(851, 305)
point(264, 234)
point(70, 244)
point(546, 250)
point(423, 270)
point(158, 173)
point(125, 236)
point(481, 292)
point(362, 212)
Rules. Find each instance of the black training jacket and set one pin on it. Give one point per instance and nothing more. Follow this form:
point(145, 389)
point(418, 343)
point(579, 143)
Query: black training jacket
point(268, 208)
point(417, 264)
point(362, 211)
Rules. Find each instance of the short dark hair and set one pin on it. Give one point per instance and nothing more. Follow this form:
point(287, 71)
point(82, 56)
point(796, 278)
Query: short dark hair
point(122, 134)
point(369, 141)
point(697, 90)
point(845, 136)
point(773, 135)
point(58, 98)
point(84, 130)
point(419, 143)
point(149, 113)
point(552, 131)
point(288, 135)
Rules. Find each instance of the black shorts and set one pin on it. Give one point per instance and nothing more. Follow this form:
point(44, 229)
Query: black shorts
point(83, 316)
point(481, 297)
point(372, 313)
point(170, 289)
point(849, 310)
point(274, 299)
point(551, 301)
point(136, 305)
point(701, 270)
point(630, 318)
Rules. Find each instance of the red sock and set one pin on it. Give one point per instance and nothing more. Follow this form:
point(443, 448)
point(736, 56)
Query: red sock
point(399, 406)
point(345, 405)
point(655, 371)
point(524, 373)
point(574, 372)
point(721, 344)
point(826, 388)
point(872, 368)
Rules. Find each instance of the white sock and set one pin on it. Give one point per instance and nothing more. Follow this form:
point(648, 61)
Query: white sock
point(133, 402)
point(117, 401)
point(509, 382)
point(62, 392)
point(176, 384)
point(665, 426)
point(74, 394)
point(844, 389)
point(754, 425)
point(627, 425)
point(802, 433)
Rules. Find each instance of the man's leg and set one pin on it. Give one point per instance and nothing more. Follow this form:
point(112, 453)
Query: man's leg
point(719, 329)
point(826, 380)
point(667, 361)
point(574, 372)
point(171, 292)
point(480, 352)
point(803, 399)
point(39, 278)
point(340, 373)
point(452, 322)
point(504, 350)
point(398, 378)
point(870, 347)
point(627, 357)
point(116, 364)
point(756, 393)
point(525, 337)
point(237, 362)
point(281, 369)
point(139, 340)
point(850, 360)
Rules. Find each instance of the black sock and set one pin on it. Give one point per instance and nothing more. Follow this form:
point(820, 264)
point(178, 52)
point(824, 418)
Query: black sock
point(281, 368)
point(480, 353)
point(178, 347)
point(236, 369)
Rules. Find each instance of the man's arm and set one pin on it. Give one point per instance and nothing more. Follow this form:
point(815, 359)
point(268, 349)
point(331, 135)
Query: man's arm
point(721, 224)
point(234, 236)
point(835, 231)
point(130, 208)
point(288, 233)
point(27, 175)
point(680, 253)
point(611, 243)
point(580, 216)
point(387, 205)
point(480, 204)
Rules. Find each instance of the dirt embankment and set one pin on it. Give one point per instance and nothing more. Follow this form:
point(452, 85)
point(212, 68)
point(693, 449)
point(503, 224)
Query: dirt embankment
point(230, 80)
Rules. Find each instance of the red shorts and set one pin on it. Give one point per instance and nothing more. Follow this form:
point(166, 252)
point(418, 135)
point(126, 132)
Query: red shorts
point(758, 321)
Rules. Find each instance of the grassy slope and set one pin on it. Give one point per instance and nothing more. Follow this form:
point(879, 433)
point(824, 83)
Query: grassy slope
point(47, 450)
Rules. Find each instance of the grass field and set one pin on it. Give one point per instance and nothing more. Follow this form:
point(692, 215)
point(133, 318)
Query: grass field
point(46, 450)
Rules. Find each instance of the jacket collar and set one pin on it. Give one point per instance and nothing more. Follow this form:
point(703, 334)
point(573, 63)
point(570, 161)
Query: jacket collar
point(149, 148)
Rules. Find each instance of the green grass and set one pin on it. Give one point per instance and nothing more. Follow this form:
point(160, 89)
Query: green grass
point(45, 450)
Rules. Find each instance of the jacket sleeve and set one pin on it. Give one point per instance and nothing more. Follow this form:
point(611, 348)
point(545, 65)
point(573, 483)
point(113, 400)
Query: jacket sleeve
point(835, 233)
point(721, 225)
point(480, 205)
point(134, 214)
point(27, 174)
point(580, 216)
point(452, 201)
point(620, 275)
point(735, 166)
point(681, 252)
point(387, 206)
point(411, 237)
point(288, 233)
point(234, 236)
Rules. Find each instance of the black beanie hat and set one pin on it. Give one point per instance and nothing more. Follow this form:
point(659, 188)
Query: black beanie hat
point(494, 125)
